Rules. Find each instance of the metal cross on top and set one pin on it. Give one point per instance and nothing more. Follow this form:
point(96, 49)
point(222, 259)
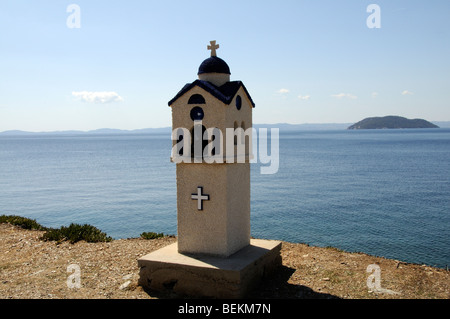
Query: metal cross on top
point(200, 197)
point(213, 47)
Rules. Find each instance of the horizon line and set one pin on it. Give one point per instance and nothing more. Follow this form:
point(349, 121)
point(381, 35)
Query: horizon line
point(169, 127)
point(160, 128)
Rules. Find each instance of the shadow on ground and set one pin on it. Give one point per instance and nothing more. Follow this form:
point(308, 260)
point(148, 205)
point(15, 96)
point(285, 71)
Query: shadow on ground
point(276, 286)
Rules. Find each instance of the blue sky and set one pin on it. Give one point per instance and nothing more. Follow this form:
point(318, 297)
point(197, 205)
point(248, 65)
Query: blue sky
point(313, 61)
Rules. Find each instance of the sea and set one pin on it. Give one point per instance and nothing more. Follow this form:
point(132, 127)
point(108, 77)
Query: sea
point(381, 192)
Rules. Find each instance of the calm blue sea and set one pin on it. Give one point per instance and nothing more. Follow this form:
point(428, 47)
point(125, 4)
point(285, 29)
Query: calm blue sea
point(382, 192)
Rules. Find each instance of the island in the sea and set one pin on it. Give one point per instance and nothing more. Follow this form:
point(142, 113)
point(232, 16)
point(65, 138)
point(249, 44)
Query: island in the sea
point(391, 122)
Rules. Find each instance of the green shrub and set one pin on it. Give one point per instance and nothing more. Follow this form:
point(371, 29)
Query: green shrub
point(73, 233)
point(76, 232)
point(22, 222)
point(151, 235)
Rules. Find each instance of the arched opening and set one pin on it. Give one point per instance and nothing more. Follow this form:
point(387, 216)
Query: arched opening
point(196, 99)
point(198, 144)
point(197, 113)
point(238, 102)
point(180, 151)
point(243, 135)
point(235, 136)
point(213, 151)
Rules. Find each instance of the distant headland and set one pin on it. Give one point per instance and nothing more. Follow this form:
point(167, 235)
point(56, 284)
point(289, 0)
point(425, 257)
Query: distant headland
point(391, 122)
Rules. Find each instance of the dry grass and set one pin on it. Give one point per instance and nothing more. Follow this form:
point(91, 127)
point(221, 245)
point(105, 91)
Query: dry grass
point(32, 268)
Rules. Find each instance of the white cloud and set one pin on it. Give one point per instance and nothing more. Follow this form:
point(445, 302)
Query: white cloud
point(98, 97)
point(283, 91)
point(406, 92)
point(374, 95)
point(344, 95)
point(304, 97)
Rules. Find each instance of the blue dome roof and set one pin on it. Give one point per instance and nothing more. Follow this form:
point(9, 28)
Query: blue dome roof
point(214, 65)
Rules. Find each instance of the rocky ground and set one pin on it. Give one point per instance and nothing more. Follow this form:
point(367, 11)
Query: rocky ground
point(35, 269)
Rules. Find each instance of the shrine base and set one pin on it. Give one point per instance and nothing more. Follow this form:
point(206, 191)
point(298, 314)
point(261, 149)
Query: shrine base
point(209, 276)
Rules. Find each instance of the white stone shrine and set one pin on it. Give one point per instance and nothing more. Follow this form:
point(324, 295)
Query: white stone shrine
point(214, 255)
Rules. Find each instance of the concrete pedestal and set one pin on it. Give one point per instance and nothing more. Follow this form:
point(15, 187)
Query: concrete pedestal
point(209, 276)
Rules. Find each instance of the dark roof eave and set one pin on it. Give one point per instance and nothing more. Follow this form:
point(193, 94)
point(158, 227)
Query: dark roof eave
point(230, 87)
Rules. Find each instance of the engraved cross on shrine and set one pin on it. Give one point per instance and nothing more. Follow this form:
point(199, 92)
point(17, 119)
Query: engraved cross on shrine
point(213, 47)
point(200, 197)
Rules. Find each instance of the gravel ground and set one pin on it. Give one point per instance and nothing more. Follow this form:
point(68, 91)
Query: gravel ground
point(35, 269)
